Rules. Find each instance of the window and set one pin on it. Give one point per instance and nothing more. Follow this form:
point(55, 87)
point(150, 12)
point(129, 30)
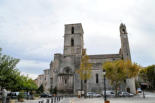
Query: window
point(124, 81)
point(72, 42)
point(85, 81)
point(65, 81)
point(96, 78)
point(72, 30)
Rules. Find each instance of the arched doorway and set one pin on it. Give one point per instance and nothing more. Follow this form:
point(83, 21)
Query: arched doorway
point(65, 81)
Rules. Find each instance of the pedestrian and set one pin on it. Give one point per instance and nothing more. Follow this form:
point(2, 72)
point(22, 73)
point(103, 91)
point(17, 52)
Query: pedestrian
point(4, 95)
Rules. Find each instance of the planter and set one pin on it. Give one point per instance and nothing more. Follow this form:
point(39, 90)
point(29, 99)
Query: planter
point(35, 98)
point(21, 100)
point(12, 101)
point(107, 101)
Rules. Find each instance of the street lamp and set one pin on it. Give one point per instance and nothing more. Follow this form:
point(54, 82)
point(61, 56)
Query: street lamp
point(105, 97)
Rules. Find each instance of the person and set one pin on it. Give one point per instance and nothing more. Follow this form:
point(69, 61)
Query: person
point(4, 95)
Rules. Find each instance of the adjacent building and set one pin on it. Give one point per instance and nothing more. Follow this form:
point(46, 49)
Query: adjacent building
point(44, 79)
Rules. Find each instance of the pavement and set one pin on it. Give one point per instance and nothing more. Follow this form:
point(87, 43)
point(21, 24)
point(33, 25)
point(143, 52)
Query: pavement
point(112, 100)
point(149, 98)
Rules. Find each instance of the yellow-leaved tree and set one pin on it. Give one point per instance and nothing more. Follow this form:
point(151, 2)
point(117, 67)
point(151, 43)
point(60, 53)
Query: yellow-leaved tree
point(120, 70)
point(85, 69)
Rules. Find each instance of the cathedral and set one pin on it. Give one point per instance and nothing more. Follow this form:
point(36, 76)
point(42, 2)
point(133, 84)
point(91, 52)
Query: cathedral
point(63, 67)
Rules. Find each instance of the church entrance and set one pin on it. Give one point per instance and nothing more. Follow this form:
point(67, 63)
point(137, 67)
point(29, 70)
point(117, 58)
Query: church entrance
point(65, 81)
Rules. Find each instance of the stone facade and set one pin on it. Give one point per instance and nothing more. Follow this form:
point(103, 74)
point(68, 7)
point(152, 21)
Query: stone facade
point(63, 67)
point(45, 80)
point(39, 80)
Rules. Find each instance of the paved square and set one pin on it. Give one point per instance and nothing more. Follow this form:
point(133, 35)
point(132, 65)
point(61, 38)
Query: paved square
point(112, 100)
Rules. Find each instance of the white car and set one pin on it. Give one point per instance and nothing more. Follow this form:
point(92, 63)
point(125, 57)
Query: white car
point(125, 94)
point(139, 90)
point(109, 93)
point(92, 94)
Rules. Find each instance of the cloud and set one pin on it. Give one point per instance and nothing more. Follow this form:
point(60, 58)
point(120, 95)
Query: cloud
point(32, 66)
point(33, 30)
point(30, 75)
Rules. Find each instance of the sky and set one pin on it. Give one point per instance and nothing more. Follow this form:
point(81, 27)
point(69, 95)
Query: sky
point(32, 30)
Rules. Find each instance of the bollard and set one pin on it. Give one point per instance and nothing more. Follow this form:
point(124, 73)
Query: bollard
point(59, 98)
point(47, 101)
point(55, 100)
point(51, 100)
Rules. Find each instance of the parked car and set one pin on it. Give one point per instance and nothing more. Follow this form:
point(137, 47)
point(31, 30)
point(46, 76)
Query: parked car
point(13, 95)
point(109, 93)
point(125, 94)
point(44, 95)
point(92, 94)
point(139, 90)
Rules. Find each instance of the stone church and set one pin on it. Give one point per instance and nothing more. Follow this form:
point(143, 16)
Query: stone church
point(63, 67)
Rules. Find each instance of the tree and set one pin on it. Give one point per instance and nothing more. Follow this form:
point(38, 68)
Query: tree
point(120, 70)
point(55, 90)
point(85, 69)
point(148, 75)
point(151, 75)
point(7, 70)
point(10, 77)
point(40, 89)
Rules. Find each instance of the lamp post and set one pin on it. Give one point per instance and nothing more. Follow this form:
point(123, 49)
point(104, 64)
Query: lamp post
point(105, 97)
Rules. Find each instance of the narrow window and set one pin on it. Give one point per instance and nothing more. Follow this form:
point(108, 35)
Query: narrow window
point(65, 81)
point(72, 30)
point(85, 81)
point(72, 42)
point(124, 81)
point(96, 78)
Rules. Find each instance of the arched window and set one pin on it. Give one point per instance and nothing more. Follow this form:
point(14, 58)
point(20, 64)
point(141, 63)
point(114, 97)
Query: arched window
point(72, 30)
point(72, 42)
point(67, 70)
point(96, 78)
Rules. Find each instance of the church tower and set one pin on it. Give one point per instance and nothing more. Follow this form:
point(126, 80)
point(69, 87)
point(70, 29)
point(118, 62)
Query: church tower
point(73, 39)
point(125, 50)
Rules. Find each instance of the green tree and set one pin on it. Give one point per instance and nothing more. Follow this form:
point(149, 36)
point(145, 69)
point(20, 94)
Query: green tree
point(151, 75)
point(10, 77)
point(85, 69)
point(120, 70)
point(7, 70)
point(148, 75)
point(40, 89)
point(55, 90)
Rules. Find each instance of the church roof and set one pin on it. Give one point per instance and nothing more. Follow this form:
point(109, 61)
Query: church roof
point(104, 56)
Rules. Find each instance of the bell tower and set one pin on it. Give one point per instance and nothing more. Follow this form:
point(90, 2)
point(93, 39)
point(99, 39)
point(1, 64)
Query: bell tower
point(125, 49)
point(125, 52)
point(73, 39)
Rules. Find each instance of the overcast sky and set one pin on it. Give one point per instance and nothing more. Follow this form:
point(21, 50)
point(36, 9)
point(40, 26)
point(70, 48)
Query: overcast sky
point(32, 30)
